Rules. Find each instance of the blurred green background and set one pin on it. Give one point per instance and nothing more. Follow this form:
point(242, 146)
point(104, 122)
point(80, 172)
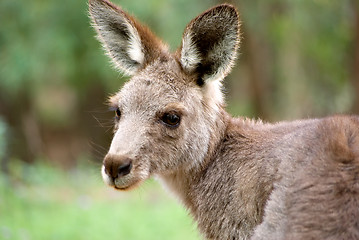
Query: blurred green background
point(298, 59)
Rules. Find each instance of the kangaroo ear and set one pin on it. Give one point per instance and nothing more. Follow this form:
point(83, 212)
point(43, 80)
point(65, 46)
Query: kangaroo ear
point(210, 43)
point(130, 45)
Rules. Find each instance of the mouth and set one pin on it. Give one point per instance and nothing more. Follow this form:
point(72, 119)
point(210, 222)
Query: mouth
point(122, 183)
point(127, 187)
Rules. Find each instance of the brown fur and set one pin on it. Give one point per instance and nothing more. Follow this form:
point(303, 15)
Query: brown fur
point(239, 178)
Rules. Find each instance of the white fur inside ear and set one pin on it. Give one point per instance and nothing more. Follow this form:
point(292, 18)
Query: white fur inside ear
point(124, 47)
point(189, 54)
point(212, 91)
point(135, 46)
point(226, 53)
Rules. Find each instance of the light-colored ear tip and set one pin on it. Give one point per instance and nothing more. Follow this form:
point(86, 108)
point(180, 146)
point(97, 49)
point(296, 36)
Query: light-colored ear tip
point(98, 2)
point(223, 9)
point(92, 3)
point(226, 6)
point(229, 9)
point(95, 5)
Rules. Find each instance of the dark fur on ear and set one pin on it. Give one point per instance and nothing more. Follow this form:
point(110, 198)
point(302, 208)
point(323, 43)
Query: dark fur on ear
point(130, 45)
point(210, 43)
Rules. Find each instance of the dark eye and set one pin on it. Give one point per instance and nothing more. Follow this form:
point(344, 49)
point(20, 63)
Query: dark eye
point(118, 113)
point(171, 119)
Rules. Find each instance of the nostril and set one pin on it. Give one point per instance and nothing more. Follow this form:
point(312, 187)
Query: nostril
point(117, 166)
point(124, 169)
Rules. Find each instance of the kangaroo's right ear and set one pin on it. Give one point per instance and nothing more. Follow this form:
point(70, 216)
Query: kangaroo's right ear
point(210, 43)
point(130, 45)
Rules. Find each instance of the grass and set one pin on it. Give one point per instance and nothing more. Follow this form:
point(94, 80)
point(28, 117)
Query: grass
point(41, 202)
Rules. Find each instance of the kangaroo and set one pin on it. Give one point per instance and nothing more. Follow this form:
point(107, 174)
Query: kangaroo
point(239, 178)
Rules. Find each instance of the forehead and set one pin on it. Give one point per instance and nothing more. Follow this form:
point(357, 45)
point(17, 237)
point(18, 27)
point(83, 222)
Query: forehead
point(156, 86)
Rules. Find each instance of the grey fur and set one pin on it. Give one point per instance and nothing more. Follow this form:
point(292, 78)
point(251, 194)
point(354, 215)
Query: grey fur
point(239, 178)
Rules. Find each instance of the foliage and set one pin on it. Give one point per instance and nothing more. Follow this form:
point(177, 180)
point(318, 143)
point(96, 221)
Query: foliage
point(304, 50)
point(44, 203)
point(296, 60)
point(3, 130)
point(52, 69)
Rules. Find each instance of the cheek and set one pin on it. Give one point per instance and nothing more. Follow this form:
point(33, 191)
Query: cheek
point(198, 138)
point(172, 135)
point(184, 147)
point(164, 148)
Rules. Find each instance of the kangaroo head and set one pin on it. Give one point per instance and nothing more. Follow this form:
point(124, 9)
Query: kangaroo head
point(166, 114)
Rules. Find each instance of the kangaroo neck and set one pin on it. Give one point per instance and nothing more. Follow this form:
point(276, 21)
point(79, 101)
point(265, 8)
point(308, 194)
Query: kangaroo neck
point(213, 192)
point(182, 181)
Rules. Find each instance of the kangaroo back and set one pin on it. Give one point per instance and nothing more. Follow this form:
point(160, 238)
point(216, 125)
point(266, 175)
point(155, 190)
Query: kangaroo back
point(318, 199)
point(324, 203)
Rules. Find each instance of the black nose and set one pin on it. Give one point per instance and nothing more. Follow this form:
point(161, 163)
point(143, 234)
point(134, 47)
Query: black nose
point(117, 166)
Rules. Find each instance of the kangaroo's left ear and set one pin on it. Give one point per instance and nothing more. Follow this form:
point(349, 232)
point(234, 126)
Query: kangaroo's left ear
point(210, 43)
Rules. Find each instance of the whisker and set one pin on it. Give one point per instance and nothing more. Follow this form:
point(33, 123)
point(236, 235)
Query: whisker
point(109, 128)
point(93, 144)
point(97, 120)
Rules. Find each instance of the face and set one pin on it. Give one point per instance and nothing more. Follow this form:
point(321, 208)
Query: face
point(161, 126)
